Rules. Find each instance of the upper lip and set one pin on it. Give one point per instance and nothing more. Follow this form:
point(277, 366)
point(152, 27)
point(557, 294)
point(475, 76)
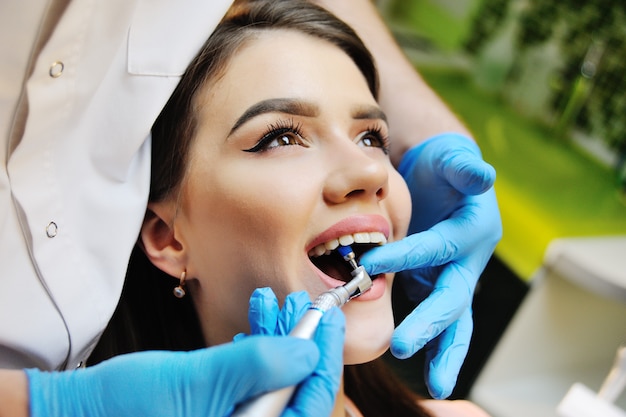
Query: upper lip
point(351, 225)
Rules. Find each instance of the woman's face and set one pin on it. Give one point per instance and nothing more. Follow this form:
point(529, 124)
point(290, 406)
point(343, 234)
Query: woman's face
point(289, 156)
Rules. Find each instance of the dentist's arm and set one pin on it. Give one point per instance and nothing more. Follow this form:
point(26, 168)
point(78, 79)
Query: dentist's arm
point(207, 382)
point(455, 223)
point(13, 393)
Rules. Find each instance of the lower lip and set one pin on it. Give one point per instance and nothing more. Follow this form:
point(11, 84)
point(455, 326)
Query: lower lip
point(377, 290)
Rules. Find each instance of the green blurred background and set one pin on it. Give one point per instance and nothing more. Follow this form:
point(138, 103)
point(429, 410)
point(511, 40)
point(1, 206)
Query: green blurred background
point(541, 85)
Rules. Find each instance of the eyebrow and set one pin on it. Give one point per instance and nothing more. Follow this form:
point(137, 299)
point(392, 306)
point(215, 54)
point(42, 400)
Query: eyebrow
point(368, 112)
point(301, 108)
point(277, 105)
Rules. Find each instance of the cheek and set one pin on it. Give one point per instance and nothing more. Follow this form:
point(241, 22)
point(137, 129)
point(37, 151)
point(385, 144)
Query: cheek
point(235, 213)
point(234, 197)
point(398, 204)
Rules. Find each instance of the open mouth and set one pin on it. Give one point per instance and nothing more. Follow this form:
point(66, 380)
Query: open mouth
point(328, 260)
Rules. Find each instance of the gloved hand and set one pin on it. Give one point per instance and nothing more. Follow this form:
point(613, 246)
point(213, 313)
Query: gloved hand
point(455, 226)
point(316, 395)
point(205, 382)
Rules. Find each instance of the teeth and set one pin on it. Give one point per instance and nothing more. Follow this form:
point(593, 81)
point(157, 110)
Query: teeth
point(346, 240)
point(317, 251)
point(364, 237)
point(378, 237)
point(331, 245)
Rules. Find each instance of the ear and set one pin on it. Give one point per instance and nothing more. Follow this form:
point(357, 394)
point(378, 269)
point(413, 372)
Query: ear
point(159, 240)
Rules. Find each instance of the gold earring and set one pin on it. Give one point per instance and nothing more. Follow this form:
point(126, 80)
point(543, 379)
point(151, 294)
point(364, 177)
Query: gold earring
point(179, 292)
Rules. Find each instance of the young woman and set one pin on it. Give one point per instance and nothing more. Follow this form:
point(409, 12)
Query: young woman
point(270, 152)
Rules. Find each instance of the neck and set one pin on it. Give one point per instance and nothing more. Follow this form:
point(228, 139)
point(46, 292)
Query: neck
point(344, 407)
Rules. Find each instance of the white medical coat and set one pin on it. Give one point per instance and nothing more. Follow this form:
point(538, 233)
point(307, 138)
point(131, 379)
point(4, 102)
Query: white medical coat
point(74, 186)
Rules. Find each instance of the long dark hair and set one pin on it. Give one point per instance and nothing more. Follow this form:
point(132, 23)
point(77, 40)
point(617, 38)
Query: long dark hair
point(148, 316)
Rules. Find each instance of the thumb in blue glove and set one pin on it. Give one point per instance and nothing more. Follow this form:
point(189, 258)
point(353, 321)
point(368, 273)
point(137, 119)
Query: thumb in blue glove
point(316, 395)
point(205, 382)
point(454, 228)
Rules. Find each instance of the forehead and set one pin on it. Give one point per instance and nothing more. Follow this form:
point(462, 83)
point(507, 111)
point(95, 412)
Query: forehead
point(288, 63)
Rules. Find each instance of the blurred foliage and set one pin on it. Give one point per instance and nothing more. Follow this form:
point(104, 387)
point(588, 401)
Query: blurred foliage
point(592, 42)
point(487, 19)
point(537, 23)
point(440, 24)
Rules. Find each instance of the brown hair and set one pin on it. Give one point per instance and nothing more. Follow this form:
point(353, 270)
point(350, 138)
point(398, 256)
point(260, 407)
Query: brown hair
point(148, 316)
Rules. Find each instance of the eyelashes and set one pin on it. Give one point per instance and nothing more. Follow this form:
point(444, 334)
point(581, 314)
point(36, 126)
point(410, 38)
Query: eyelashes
point(373, 137)
point(283, 133)
point(287, 133)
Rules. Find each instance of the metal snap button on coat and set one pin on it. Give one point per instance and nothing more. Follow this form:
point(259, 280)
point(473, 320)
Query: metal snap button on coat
point(56, 69)
point(51, 229)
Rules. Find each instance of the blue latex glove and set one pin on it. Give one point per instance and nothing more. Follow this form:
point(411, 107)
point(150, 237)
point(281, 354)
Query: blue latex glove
point(455, 226)
point(206, 382)
point(316, 395)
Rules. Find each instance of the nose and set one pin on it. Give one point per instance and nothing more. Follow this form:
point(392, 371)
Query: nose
point(356, 173)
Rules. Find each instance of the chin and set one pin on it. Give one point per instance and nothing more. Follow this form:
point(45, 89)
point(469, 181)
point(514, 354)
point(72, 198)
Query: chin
point(367, 336)
point(354, 355)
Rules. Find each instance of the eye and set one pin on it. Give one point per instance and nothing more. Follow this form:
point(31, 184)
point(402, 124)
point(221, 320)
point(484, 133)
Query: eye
point(278, 135)
point(373, 137)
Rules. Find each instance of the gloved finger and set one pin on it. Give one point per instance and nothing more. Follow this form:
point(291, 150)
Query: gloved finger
point(454, 158)
point(445, 356)
point(417, 284)
point(237, 372)
point(316, 396)
point(450, 297)
point(467, 235)
point(294, 308)
point(465, 170)
point(263, 311)
point(459, 235)
point(414, 251)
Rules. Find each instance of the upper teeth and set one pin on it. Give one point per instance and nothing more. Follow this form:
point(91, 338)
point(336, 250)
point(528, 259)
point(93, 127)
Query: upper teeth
point(346, 240)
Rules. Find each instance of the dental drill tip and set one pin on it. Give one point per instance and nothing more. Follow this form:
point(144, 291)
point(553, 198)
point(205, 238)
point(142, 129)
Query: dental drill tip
point(345, 251)
point(348, 255)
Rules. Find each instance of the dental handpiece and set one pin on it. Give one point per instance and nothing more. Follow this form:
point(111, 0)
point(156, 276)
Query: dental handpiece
point(272, 404)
